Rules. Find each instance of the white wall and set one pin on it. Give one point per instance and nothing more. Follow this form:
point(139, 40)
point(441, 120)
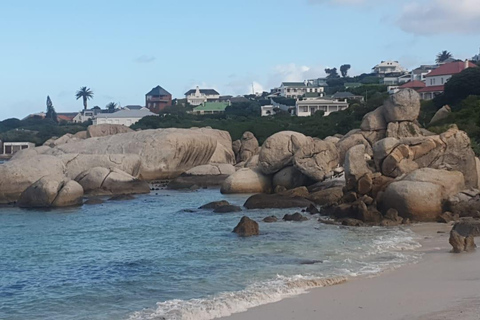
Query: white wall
point(437, 80)
point(123, 121)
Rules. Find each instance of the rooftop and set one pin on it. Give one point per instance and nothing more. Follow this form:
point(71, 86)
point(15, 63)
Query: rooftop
point(451, 68)
point(413, 85)
point(433, 89)
point(343, 95)
point(208, 92)
point(158, 91)
point(212, 106)
point(127, 114)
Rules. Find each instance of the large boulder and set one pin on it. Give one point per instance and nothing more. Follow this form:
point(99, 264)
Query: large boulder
point(402, 106)
point(100, 181)
point(247, 227)
point(277, 151)
point(76, 163)
point(349, 140)
point(399, 162)
point(164, 153)
point(17, 175)
point(51, 191)
point(203, 176)
point(451, 182)
point(314, 158)
point(355, 166)
point(290, 178)
point(415, 200)
point(327, 197)
point(102, 130)
point(248, 148)
point(247, 181)
point(383, 148)
point(269, 201)
point(374, 121)
point(66, 138)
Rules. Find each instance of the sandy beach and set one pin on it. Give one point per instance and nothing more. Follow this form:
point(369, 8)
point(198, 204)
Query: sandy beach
point(442, 285)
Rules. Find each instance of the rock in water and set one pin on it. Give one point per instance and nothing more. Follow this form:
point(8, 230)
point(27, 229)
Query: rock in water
point(461, 243)
point(295, 217)
point(290, 178)
point(268, 201)
point(247, 181)
point(227, 209)
point(247, 227)
point(102, 181)
point(17, 175)
point(51, 192)
point(277, 151)
point(270, 219)
point(215, 205)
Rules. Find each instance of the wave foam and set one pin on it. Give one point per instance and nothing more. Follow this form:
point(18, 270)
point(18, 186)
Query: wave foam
point(228, 303)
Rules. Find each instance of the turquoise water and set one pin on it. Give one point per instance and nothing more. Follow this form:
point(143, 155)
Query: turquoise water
point(150, 258)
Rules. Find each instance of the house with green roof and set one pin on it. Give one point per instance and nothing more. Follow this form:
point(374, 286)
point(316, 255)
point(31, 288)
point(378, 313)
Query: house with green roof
point(210, 108)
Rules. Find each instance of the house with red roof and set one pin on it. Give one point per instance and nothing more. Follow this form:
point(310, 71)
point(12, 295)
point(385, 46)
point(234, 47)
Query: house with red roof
point(436, 79)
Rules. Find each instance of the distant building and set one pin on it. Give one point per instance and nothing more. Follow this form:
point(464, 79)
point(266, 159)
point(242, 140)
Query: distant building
point(10, 148)
point(308, 107)
point(296, 90)
point(352, 85)
point(386, 67)
point(344, 96)
point(66, 116)
point(210, 108)
point(232, 99)
point(124, 117)
point(134, 107)
point(197, 96)
point(421, 72)
point(415, 85)
point(436, 79)
point(158, 99)
point(88, 114)
point(476, 59)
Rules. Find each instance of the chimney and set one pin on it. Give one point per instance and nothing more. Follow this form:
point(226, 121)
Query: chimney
point(466, 64)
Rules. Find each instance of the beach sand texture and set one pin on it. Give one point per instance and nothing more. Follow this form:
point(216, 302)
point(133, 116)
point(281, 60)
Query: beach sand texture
point(442, 285)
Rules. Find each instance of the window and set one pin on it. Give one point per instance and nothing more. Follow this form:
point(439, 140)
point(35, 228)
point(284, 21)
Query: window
point(442, 80)
point(305, 109)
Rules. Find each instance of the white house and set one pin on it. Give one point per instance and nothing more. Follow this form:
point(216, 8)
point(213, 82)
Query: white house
point(421, 72)
point(84, 115)
point(124, 117)
point(296, 90)
point(388, 67)
point(436, 79)
point(308, 107)
point(197, 96)
point(267, 110)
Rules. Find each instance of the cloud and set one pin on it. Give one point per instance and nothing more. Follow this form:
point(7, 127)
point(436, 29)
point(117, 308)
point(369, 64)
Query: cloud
point(294, 72)
point(145, 59)
point(431, 17)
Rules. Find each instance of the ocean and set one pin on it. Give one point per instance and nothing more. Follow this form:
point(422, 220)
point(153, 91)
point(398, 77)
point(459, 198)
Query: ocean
point(159, 257)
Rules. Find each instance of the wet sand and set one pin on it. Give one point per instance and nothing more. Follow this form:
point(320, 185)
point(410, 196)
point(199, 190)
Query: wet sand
point(442, 285)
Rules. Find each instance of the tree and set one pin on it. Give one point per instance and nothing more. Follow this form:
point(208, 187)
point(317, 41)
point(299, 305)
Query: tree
point(332, 73)
point(86, 94)
point(111, 107)
point(443, 56)
point(344, 69)
point(51, 114)
point(460, 86)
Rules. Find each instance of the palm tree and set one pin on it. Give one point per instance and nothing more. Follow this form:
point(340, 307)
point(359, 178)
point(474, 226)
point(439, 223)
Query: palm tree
point(111, 107)
point(84, 93)
point(443, 56)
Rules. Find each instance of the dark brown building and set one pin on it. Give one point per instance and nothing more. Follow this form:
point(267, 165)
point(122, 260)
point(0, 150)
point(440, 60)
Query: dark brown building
point(158, 99)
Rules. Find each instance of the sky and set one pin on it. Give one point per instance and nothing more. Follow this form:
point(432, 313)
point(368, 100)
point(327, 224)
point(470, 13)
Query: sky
point(121, 49)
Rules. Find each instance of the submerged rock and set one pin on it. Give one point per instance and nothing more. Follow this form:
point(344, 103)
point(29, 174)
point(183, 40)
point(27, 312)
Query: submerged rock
point(270, 219)
point(52, 192)
point(294, 217)
point(215, 205)
point(227, 209)
point(268, 201)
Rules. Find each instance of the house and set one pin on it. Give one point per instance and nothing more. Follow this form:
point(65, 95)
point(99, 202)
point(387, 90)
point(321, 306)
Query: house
point(197, 96)
point(158, 99)
point(88, 114)
point(386, 67)
point(66, 116)
point(436, 79)
point(415, 85)
point(210, 108)
point(419, 73)
point(134, 107)
point(308, 107)
point(124, 117)
point(476, 59)
point(296, 90)
point(9, 148)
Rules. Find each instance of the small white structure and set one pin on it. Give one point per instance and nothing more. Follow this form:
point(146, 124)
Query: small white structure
point(83, 116)
point(268, 110)
point(306, 108)
point(388, 67)
point(10, 148)
point(197, 96)
point(124, 117)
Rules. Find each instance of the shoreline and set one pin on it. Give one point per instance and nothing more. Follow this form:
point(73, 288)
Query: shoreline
point(442, 285)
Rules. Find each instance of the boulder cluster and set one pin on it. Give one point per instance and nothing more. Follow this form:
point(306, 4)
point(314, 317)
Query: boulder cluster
point(112, 160)
point(393, 170)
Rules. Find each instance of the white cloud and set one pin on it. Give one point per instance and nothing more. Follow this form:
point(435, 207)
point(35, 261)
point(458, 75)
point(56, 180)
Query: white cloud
point(145, 59)
point(440, 16)
point(294, 72)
